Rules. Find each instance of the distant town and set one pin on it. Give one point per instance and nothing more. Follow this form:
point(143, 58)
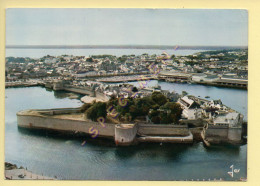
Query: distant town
point(130, 113)
point(223, 67)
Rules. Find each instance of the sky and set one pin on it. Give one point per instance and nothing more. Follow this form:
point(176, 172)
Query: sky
point(197, 27)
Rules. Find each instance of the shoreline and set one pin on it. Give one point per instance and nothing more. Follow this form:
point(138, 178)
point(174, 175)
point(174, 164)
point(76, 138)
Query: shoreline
point(123, 134)
point(112, 81)
point(12, 172)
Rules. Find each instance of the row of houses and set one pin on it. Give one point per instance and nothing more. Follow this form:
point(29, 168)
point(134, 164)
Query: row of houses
point(217, 113)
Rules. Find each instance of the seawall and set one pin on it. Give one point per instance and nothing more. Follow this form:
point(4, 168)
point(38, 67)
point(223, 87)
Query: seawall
point(162, 130)
point(72, 121)
point(217, 134)
point(49, 121)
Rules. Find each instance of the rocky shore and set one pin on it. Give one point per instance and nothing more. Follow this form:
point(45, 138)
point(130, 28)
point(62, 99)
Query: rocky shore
point(12, 172)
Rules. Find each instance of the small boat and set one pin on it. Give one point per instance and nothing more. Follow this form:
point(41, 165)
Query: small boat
point(21, 176)
point(207, 97)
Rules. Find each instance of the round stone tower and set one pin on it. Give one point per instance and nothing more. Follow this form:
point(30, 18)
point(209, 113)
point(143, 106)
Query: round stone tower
point(125, 134)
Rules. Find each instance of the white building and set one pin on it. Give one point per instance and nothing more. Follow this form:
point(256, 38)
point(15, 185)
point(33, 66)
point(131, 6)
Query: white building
point(216, 104)
point(210, 78)
point(51, 60)
point(231, 119)
point(191, 109)
point(204, 78)
point(198, 77)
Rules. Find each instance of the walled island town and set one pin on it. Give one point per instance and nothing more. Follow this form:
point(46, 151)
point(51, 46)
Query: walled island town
point(126, 94)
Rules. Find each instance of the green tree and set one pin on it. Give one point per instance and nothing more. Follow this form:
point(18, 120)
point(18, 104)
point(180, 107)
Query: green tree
point(134, 111)
point(135, 89)
point(96, 110)
point(159, 98)
point(184, 93)
point(112, 101)
point(156, 119)
point(90, 59)
point(155, 116)
point(85, 107)
point(172, 113)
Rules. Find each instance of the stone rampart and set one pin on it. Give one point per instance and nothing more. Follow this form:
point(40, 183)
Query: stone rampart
point(79, 90)
point(235, 134)
point(222, 133)
point(217, 134)
point(125, 134)
point(162, 130)
point(59, 124)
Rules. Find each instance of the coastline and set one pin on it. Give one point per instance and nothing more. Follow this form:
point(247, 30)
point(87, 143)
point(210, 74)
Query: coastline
point(71, 121)
point(12, 172)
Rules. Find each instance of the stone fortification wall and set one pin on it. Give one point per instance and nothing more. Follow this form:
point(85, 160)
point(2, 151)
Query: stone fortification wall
point(223, 134)
point(195, 122)
point(48, 85)
point(163, 130)
point(168, 139)
point(58, 85)
point(50, 123)
point(59, 111)
point(196, 132)
point(84, 91)
point(235, 134)
point(125, 134)
point(219, 132)
point(101, 95)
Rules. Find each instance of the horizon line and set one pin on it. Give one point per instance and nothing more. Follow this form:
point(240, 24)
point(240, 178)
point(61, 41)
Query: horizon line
point(192, 47)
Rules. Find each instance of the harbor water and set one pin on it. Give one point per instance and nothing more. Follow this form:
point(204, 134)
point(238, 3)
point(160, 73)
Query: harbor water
point(67, 158)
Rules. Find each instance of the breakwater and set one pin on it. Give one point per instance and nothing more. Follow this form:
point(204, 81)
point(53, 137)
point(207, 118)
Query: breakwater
point(24, 84)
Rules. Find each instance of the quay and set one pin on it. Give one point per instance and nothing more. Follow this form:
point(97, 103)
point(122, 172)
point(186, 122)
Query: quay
point(119, 79)
point(109, 75)
point(229, 83)
point(169, 76)
point(185, 139)
point(208, 80)
point(31, 83)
